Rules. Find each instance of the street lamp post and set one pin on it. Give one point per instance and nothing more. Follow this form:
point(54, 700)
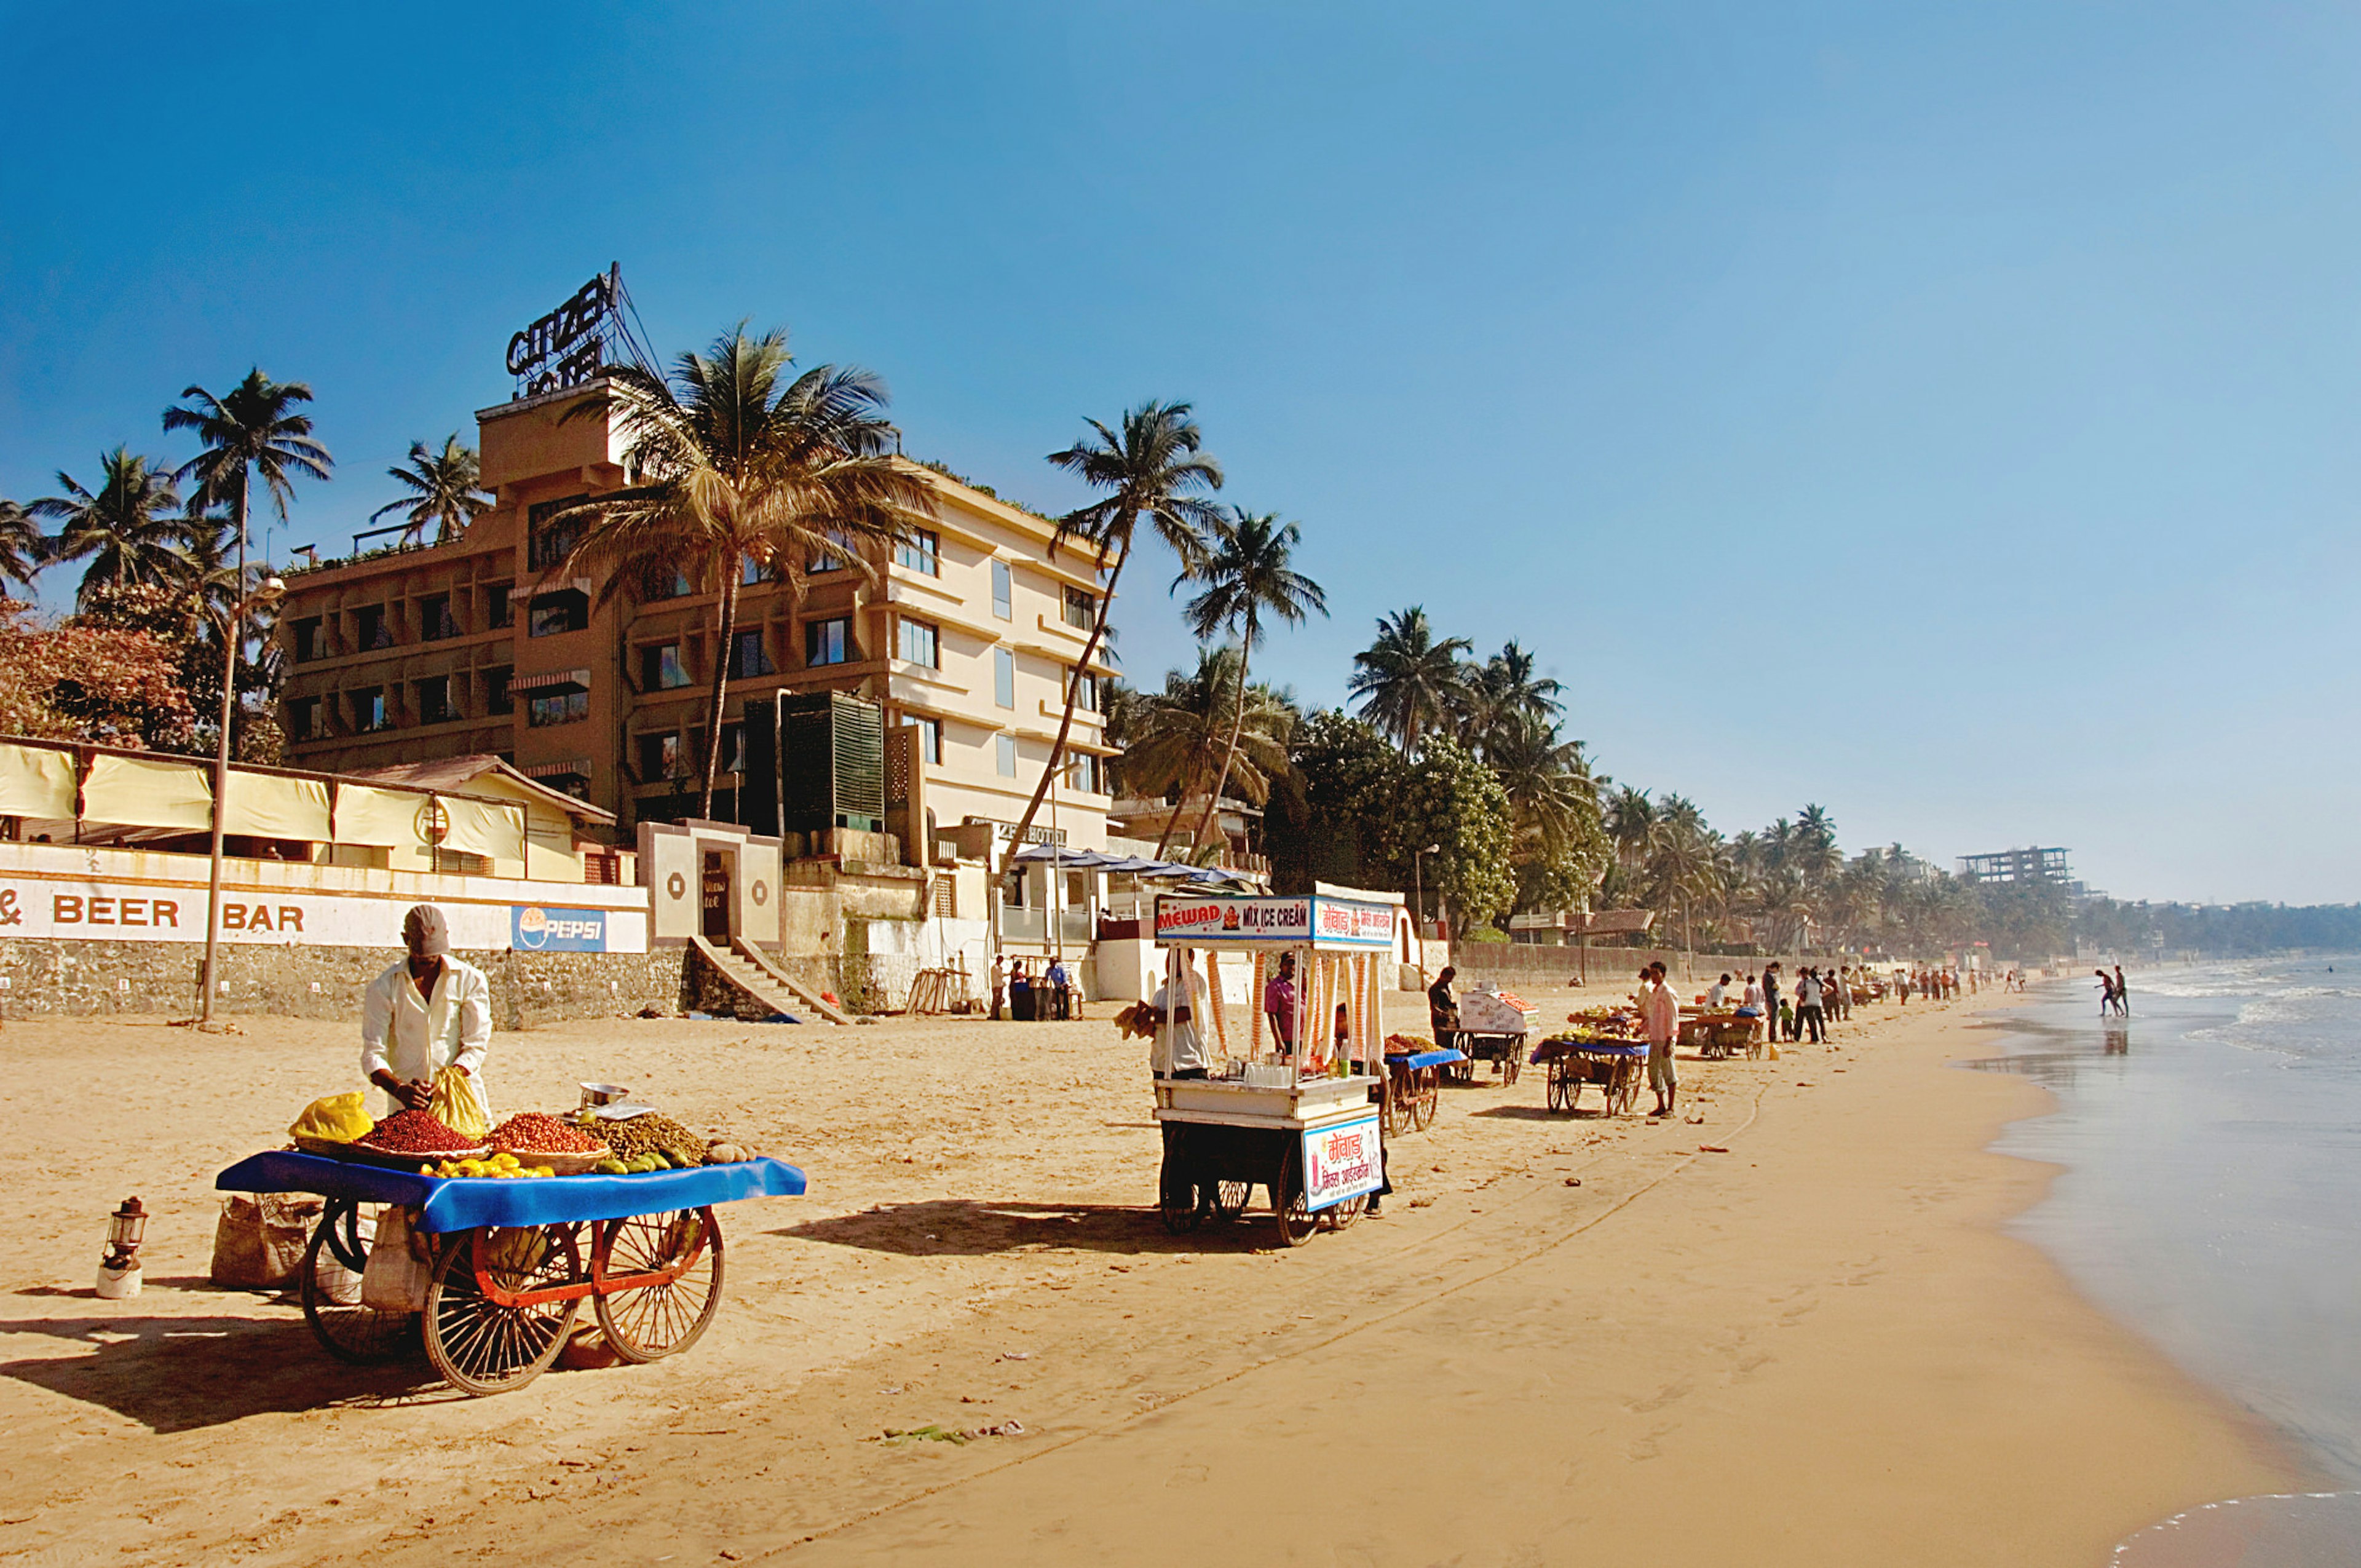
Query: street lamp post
point(1418, 901)
point(232, 627)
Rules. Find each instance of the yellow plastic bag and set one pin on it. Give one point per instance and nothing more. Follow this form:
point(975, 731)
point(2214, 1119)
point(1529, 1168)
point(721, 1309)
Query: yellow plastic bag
point(339, 1118)
point(455, 1106)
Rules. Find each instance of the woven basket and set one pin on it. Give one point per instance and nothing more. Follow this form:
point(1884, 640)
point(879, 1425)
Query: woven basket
point(562, 1163)
point(398, 1161)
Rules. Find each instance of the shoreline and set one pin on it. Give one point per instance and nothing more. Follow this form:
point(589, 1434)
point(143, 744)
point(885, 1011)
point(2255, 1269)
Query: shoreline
point(1822, 1346)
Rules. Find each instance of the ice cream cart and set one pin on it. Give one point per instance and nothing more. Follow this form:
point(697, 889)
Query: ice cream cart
point(1290, 1109)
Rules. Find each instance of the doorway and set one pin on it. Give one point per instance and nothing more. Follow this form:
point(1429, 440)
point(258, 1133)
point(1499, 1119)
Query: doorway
point(714, 892)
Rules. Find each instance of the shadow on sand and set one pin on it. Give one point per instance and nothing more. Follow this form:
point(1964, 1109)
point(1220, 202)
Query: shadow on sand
point(960, 1227)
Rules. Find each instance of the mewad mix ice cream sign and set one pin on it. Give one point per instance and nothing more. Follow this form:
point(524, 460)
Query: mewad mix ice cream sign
point(1343, 1160)
point(534, 930)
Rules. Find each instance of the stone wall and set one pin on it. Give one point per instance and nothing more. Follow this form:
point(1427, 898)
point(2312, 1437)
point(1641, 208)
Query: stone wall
point(42, 977)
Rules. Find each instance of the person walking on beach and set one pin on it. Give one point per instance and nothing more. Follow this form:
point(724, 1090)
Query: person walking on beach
point(1771, 998)
point(999, 984)
point(2123, 994)
point(2106, 993)
point(1660, 1017)
point(1751, 1006)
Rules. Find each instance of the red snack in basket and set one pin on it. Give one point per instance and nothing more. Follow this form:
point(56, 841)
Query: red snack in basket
point(534, 1132)
point(413, 1132)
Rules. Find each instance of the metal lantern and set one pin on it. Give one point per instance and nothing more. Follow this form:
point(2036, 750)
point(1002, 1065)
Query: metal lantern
point(124, 1229)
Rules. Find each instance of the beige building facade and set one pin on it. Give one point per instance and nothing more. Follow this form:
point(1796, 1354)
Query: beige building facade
point(967, 637)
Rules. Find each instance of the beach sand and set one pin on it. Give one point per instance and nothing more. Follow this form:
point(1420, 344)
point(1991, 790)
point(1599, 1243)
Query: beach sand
point(1815, 1348)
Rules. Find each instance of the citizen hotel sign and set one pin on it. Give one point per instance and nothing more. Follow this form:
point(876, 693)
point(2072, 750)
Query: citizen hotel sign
point(101, 911)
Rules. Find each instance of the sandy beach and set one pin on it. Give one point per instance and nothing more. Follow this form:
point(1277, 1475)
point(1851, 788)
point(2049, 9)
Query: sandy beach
point(1570, 1338)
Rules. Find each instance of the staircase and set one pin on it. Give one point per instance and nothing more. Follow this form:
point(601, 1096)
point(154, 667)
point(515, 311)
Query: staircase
point(762, 981)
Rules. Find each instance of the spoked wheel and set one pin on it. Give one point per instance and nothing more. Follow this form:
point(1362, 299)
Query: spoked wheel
point(1342, 1215)
point(1562, 1085)
point(1291, 1204)
point(1623, 1089)
point(1226, 1201)
point(1177, 1192)
point(330, 1285)
point(480, 1346)
point(1513, 1063)
point(655, 1321)
point(1425, 1098)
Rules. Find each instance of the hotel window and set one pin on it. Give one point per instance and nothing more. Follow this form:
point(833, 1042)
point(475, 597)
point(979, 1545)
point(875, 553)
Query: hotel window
point(1003, 592)
point(1082, 774)
point(750, 655)
point(568, 609)
point(661, 758)
point(931, 739)
point(733, 748)
point(1080, 608)
point(826, 560)
point(827, 642)
point(664, 583)
point(496, 700)
point(307, 640)
point(1004, 755)
point(435, 620)
point(304, 718)
point(922, 642)
point(371, 631)
point(922, 552)
point(753, 573)
point(1087, 692)
point(434, 700)
point(1004, 678)
point(662, 668)
point(554, 538)
point(557, 708)
point(498, 613)
point(368, 709)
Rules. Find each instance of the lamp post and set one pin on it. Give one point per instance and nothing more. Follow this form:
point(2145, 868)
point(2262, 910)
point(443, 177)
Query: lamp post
point(233, 626)
point(1418, 900)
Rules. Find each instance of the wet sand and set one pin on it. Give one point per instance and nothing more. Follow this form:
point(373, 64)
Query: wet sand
point(1817, 1347)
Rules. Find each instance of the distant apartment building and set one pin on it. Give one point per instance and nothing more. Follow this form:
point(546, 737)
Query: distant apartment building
point(969, 638)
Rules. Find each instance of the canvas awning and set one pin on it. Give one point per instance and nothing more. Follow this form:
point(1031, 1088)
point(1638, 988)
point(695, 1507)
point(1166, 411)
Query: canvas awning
point(36, 781)
point(144, 793)
point(267, 806)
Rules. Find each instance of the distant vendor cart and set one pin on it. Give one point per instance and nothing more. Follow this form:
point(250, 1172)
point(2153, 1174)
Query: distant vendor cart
point(1575, 1060)
point(1493, 1025)
point(1298, 1119)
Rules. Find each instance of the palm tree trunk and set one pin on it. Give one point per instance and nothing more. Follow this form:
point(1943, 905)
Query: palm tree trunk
point(1073, 694)
point(729, 626)
point(1237, 727)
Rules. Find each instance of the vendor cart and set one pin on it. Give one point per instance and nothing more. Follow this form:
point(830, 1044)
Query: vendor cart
point(513, 1260)
point(1492, 1028)
point(1715, 1035)
point(1573, 1060)
point(1413, 1087)
point(1304, 1119)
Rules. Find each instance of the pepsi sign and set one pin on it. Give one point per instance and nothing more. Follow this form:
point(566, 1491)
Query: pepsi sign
point(536, 930)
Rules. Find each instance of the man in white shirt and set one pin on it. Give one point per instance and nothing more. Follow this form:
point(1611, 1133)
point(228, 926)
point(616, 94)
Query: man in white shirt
point(1179, 1049)
point(426, 1013)
point(1716, 993)
point(1660, 1019)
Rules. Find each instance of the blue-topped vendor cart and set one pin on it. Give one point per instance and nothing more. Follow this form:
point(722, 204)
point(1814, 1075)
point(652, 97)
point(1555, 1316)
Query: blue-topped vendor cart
point(507, 1263)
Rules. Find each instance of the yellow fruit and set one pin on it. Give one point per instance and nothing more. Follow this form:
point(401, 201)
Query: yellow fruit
point(545, 1170)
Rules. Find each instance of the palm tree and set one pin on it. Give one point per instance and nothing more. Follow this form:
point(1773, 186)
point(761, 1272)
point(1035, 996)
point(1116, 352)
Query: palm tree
point(1407, 682)
point(740, 465)
point(1503, 693)
point(23, 547)
point(1248, 572)
point(447, 491)
point(1179, 739)
point(130, 528)
point(1154, 470)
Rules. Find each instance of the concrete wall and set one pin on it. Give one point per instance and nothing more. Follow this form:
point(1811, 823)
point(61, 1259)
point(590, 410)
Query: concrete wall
point(47, 979)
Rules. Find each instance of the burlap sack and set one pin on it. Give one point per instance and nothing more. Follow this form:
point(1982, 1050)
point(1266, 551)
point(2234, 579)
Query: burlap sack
point(259, 1242)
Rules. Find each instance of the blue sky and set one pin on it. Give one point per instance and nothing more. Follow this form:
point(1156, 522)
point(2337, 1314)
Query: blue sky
point(1947, 416)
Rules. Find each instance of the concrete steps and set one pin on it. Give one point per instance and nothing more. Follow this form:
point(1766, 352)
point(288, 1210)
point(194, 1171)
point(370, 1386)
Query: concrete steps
point(761, 981)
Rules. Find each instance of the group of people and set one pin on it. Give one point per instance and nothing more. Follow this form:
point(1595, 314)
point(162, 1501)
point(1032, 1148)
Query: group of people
point(1934, 984)
point(2114, 994)
point(1028, 999)
point(1822, 997)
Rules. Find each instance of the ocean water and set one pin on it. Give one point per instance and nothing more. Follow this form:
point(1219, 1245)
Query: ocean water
point(2211, 1197)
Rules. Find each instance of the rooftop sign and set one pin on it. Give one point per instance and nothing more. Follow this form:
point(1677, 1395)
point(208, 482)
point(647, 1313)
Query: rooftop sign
point(566, 348)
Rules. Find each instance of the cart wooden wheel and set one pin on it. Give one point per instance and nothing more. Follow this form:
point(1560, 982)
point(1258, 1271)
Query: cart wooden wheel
point(330, 1285)
point(1291, 1204)
point(1341, 1216)
point(1177, 1192)
point(1427, 1094)
point(1624, 1089)
point(480, 1346)
point(1226, 1201)
point(654, 1321)
point(1555, 1094)
point(1513, 1063)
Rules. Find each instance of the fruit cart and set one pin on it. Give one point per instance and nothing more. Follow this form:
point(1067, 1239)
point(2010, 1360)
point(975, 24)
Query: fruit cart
point(1715, 1035)
point(1413, 1086)
point(512, 1261)
point(1301, 1125)
point(1492, 1028)
point(1573, 1060)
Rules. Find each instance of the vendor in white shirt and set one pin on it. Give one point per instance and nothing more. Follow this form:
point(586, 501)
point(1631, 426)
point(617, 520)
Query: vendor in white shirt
point(1178, 1048)
point(426, 1013)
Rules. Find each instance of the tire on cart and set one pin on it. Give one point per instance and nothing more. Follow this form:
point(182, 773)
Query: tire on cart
point(480, 1346)
point(1427, 1096)
point(1176, 1187)
point(1223, 1199)
point(330, 1285)
point(651, 1321)
point(1290, 1202)
point(1564, 1087)
point(1624, 1087)
point(1513, 1063)
point(1340, 1216)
